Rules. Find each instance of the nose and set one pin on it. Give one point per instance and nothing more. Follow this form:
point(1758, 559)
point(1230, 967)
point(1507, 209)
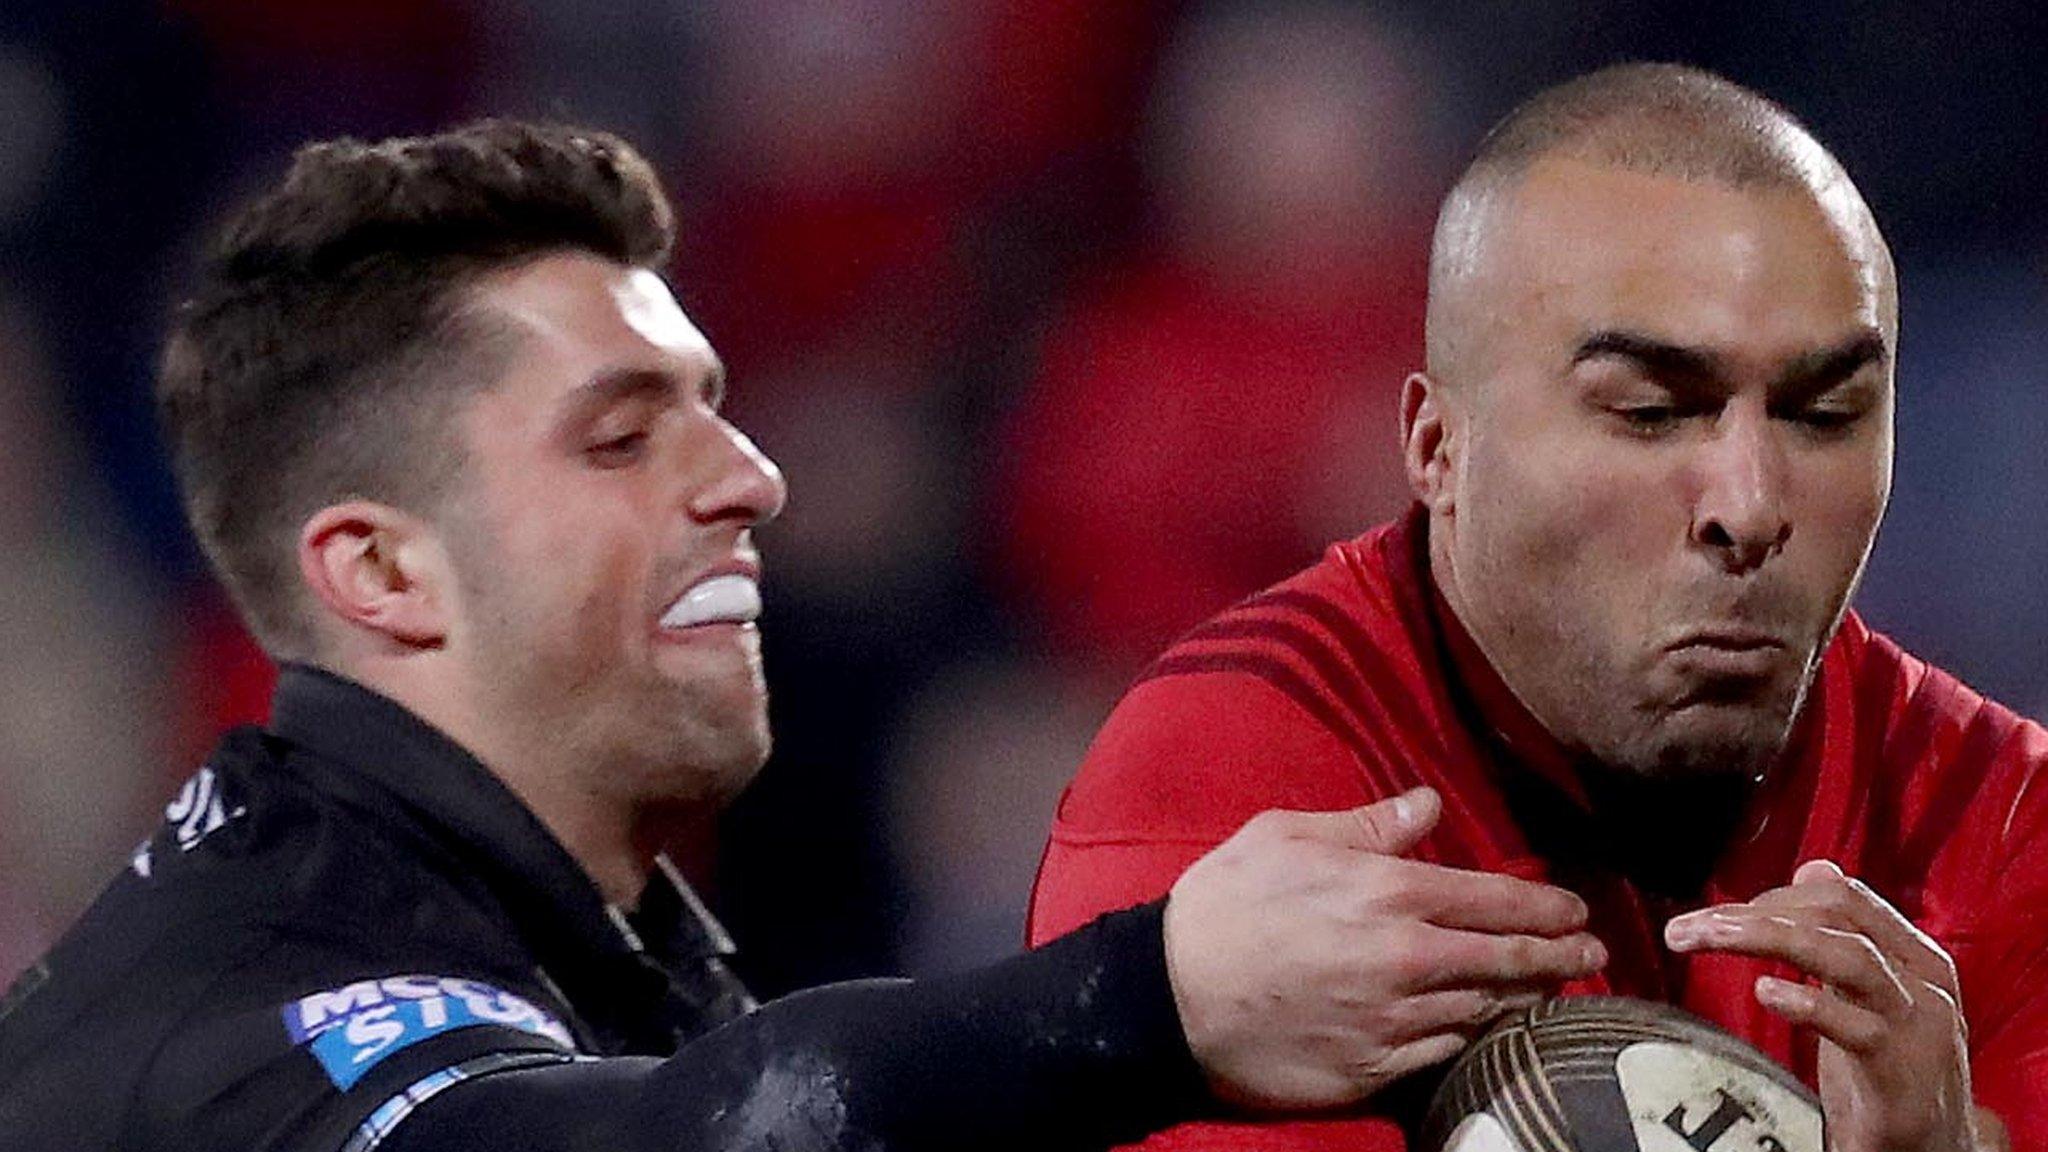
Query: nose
point(1740, 515)
point(744, 484)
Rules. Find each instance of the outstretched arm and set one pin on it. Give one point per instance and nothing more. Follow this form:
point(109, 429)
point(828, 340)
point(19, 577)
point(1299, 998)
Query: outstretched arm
point(1073, 1046)
point(1247, 982)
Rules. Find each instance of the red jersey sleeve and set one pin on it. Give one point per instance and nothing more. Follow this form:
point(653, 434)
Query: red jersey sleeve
point(2000, 945)
point(1964, 786)
point(1181, 764)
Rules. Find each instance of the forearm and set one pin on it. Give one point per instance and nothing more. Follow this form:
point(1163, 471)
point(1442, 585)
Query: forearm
point(1076, 1045)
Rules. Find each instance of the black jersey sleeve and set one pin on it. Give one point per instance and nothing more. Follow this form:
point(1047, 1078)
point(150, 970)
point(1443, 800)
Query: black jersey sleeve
point(1075, 1045)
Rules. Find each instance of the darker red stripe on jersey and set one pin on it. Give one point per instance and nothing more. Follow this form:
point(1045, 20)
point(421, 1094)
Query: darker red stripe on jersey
point(1220, 626)
point(1242, 626)
point(1987, 735)
point(1368, 659)
point(1281, 678)
point(1214, 628)
point(1922, 715)
point(1317, 649)
point(1929, 706)
point(1872, 803)
point(1876, 691)
point(1372, 679)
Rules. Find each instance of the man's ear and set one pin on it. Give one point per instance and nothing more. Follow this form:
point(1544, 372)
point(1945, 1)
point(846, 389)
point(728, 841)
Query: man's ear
point(1427, 445)
point(375, 567)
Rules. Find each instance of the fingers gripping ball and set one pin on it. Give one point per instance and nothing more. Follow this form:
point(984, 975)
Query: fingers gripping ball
point(1605, 1074)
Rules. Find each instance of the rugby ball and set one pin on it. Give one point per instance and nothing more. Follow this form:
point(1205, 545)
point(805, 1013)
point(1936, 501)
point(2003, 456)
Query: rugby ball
point(1608, 1074)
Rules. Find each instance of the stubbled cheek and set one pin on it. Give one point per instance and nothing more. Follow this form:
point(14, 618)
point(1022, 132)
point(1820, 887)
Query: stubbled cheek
point(588, 604)
point(1562, 518)
point(1567, 564)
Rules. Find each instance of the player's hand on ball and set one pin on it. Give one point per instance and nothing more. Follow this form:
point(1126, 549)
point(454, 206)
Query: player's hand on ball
point(1894, 1066)
point(1312, 964)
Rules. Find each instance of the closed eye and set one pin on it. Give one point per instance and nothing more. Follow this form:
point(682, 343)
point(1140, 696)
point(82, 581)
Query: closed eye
point(1836, 411)
point(617, 451)
point(1828, 417)
point(1651, 420)
point(1647, 415)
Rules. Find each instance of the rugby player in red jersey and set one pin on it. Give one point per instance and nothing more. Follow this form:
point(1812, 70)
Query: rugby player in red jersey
point(1650, 452)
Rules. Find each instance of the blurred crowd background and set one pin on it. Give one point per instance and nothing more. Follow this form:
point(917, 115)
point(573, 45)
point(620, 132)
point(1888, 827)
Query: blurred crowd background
point(1070, 320)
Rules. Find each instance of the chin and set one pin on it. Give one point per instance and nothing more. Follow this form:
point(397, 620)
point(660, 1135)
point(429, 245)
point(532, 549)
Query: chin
point(696, 756)
point(729, 760)
point(696, 779)
point(1715, 740)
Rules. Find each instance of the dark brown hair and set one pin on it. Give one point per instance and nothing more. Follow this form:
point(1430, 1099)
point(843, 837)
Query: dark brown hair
point(325, 346)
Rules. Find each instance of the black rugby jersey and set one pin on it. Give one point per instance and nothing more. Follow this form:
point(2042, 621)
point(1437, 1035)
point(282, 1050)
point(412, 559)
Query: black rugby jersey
point(349, 934)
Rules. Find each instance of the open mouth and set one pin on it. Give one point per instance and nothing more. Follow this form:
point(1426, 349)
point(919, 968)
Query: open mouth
point(733, 598)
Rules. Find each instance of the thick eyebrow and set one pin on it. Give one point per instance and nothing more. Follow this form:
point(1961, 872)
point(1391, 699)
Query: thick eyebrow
point(1656, 357)
point(618, 384)
point(1816, 372)
point(1807, 374)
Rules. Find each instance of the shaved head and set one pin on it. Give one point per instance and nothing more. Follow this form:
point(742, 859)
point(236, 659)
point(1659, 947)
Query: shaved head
point(1653, 119)
point(1654, 435)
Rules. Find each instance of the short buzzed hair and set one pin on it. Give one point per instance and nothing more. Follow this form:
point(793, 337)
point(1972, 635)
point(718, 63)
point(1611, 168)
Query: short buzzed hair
point(1657, 119)
point(326, 344)
point(1661, 119)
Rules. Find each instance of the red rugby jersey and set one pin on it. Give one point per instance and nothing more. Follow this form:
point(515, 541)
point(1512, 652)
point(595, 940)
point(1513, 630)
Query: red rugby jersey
point(1350, 682)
